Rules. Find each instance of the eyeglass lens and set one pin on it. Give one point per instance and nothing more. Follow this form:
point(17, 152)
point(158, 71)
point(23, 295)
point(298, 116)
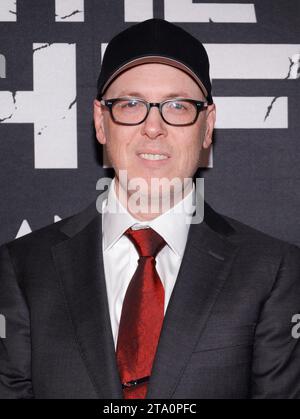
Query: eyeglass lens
point(134, 111)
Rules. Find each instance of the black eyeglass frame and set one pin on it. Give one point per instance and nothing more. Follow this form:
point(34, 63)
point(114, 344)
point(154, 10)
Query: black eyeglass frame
point(198, 104)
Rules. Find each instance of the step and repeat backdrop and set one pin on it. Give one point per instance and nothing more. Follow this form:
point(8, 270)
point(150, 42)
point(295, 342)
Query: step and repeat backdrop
point(50, 57)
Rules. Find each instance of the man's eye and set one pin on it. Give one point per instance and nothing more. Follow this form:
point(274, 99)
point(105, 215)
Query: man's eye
point(131, 104)
point(177, 106)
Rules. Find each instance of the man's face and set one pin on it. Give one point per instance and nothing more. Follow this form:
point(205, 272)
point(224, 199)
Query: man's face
point(181, 146)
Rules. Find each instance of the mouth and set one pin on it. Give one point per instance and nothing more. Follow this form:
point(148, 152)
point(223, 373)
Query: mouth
point(147, 156)
point(153, 156)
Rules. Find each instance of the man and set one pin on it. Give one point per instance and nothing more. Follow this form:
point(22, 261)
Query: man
point(124, 300)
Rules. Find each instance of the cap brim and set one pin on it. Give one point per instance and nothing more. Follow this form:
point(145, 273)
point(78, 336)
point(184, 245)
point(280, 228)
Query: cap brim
point(155, 59)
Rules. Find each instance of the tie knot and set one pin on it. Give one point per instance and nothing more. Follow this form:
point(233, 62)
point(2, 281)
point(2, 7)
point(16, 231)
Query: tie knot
point(146, 241)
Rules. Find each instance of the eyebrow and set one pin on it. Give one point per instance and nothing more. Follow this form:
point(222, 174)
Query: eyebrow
point(139, 94)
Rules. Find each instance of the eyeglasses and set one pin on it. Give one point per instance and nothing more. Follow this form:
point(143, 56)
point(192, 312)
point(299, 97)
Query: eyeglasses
point(179, 112)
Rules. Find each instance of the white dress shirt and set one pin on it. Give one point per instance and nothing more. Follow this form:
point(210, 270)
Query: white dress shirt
point(121, 257)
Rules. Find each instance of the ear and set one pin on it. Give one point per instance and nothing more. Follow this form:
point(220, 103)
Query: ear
point(98, 122)
point(210, 124)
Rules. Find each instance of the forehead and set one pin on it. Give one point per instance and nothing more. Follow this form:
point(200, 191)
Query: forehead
point(154, 79)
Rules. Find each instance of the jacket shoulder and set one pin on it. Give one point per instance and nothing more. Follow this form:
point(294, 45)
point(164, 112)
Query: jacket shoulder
point(51, 234)
point(247, 236)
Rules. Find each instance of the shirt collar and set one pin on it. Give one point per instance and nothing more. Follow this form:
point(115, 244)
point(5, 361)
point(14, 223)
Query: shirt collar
point(116, 220)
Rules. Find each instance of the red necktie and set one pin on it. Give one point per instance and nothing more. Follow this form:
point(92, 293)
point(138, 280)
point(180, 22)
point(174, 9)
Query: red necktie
point(142, 316)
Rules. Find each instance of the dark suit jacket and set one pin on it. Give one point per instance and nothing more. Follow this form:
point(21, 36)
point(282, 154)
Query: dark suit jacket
point(226, 332)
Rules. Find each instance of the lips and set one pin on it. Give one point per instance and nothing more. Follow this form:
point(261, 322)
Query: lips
point(149, 154)
point(153, 157)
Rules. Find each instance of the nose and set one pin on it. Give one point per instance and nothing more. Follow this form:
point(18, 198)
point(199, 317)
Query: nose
point(154, 126)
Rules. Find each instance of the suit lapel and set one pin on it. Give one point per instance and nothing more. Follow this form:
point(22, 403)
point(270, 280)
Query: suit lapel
point(80, 266)
point(204, 269)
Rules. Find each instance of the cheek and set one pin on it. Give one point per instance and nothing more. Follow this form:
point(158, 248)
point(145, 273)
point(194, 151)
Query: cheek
point(189, 146)
point(119, 146)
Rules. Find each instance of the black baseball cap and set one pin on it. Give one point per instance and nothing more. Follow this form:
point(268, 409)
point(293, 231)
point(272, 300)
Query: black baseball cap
point(155, 41)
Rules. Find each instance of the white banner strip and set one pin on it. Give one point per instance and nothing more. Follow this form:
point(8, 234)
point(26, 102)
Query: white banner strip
point(8, 10)
point(253, 61)
point(187, 11)
point(69, 10)
point(2, 67)
point(138, 10)
point(252, 112)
